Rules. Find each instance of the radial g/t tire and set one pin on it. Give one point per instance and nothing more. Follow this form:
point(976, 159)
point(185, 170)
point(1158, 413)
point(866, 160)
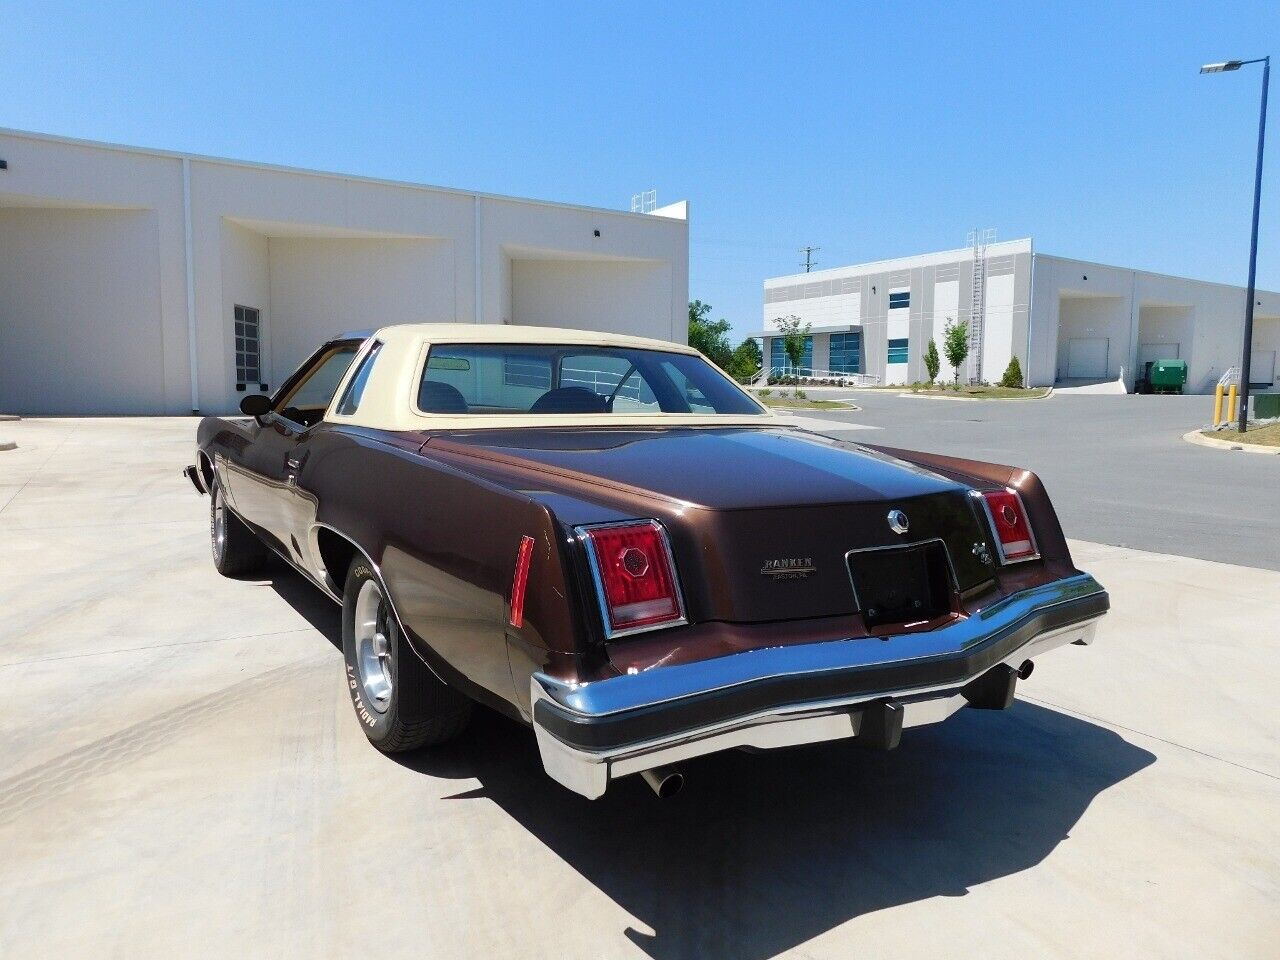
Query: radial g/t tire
point(400, 703)
point(236, 549)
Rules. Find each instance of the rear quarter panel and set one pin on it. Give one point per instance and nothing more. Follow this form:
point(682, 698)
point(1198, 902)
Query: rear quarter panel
point(445, 541)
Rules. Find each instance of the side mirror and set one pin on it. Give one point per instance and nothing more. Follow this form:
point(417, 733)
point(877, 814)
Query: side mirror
point(255, 405)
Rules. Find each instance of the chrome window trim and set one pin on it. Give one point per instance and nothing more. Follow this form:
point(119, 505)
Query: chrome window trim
point(581, 533)
point(995, 534)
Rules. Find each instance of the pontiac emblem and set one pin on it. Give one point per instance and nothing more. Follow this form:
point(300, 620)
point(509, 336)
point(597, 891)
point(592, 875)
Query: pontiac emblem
point(789, 568)
point(898, 521)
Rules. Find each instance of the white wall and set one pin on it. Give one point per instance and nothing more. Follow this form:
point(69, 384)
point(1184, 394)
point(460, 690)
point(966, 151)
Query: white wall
point(320, 288)
point(246, 281)
point(340, 251)
point(997, 327)
point(946, 306)
point(618, 297)
point(80, 320)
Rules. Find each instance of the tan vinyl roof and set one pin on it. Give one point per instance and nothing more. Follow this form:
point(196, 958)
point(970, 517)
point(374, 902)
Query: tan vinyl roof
point(390, 393)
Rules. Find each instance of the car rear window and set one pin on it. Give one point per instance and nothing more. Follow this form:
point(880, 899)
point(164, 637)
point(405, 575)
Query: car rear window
point(480, 378)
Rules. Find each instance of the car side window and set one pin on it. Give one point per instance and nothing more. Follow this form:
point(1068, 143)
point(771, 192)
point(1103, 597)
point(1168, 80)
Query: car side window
point(309, 398)
point(697, 400)
point(355, 389)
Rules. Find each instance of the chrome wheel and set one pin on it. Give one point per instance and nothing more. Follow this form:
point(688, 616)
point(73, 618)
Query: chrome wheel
point(219, 524)
point(374, 649)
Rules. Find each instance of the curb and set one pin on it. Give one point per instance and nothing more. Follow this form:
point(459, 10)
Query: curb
point(930, 396)
point(7, 445)
point(1200, 440)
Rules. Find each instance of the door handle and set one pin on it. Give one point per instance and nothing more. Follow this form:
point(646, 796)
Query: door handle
point(292, 464)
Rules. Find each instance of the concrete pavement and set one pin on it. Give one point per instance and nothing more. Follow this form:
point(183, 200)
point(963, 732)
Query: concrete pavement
point(181, 775)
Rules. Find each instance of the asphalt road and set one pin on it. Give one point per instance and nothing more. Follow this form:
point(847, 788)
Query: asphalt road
point(1116, 466)
point(181, 775)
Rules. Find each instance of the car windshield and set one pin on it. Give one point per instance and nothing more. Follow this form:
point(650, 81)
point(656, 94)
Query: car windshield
point(478, 378)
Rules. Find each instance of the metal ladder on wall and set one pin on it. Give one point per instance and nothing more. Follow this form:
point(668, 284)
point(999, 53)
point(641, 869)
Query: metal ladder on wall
point(978, 240)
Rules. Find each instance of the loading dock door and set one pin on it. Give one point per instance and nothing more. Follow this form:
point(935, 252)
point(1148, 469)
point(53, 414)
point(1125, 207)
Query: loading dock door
point(1087, 358)
point(1262, 368)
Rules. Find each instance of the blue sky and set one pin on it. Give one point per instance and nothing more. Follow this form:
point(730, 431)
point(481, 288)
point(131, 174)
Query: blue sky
point(870, 130)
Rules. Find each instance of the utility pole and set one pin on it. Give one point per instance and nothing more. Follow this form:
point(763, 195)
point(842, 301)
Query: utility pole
point(808, 257)
point(1247, 358)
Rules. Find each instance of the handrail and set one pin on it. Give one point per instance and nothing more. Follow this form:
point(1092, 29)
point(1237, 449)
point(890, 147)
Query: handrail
point(810, 373)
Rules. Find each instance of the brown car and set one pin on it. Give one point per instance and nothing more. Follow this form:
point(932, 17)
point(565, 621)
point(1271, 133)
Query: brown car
point(608, 539)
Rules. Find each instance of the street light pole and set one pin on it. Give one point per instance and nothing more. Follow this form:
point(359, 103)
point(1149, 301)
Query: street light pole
point(1247, 356)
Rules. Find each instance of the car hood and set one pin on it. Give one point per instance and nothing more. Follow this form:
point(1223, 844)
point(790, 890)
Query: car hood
point(717, 468)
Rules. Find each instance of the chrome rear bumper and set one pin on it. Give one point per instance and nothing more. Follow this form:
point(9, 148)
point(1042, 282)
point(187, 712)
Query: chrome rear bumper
point(589, 734)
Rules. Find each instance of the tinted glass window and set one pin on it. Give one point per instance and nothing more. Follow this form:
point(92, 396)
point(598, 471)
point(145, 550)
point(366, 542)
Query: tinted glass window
point(846, 352)
point(553, 379)
point(898, 350)
point(309, 398)
point(779, 360)
point(900, 299)
point(355, 389)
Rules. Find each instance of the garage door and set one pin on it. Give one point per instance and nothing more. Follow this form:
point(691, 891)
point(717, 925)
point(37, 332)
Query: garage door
point(1087, 358)
point(1262, 368)
point(1157, 351)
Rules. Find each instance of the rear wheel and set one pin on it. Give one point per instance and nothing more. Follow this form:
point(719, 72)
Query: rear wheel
point(400, 703)
point(236, 549)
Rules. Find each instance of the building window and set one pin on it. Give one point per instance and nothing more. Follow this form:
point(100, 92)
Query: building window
point(248, 344)
point(900, 300)
point(898, 351)
point(779, 360)
point(846, 352)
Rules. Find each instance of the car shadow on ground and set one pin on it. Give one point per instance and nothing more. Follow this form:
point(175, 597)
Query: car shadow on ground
point(302, 595)
point(764, 851)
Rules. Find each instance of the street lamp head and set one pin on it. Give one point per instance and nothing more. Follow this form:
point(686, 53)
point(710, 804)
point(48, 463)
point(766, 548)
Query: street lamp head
point(1222, 67)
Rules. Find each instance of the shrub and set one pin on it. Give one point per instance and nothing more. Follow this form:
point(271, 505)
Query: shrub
point(955, 386)
point(801, 395)
point(765, 393)
point(915, 386)
point(932, 362)
point(1012, 374)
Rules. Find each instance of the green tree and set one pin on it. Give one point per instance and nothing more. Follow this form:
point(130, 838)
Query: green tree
point(955, 344)
point(1012, 374)
point(710, 337)
point(793, 333)
point(746, 360)
point(932, 362)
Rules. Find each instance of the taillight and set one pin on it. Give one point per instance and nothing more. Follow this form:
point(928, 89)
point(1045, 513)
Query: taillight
point(519, 581)
point(634, 575)
point(1012, 528)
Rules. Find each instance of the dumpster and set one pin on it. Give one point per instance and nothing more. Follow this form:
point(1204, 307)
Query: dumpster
point(1266, 406)
point(1167, 376)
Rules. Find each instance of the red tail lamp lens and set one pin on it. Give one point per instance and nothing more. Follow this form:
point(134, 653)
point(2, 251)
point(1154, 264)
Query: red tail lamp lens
point(518, 581)
point(635, 576)
point(1013, 529)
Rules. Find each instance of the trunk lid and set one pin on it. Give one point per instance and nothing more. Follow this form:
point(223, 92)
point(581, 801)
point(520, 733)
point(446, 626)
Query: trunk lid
point(760, 519)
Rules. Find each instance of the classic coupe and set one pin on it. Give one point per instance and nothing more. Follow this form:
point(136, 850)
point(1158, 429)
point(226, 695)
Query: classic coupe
point(606, 538)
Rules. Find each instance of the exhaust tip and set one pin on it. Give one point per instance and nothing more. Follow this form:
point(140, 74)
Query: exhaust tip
point(666, 782)
point(1024, 671)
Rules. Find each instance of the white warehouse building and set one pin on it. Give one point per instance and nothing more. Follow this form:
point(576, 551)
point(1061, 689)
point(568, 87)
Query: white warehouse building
point(1067, 321)
point(140, 281)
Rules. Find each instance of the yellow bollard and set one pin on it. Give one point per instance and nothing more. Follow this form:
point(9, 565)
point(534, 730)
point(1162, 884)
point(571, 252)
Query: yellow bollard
point(1231, 404)
point(1217, 405)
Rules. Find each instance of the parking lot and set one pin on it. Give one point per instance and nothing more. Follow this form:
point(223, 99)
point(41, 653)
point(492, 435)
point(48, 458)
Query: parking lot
point(181, 774)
